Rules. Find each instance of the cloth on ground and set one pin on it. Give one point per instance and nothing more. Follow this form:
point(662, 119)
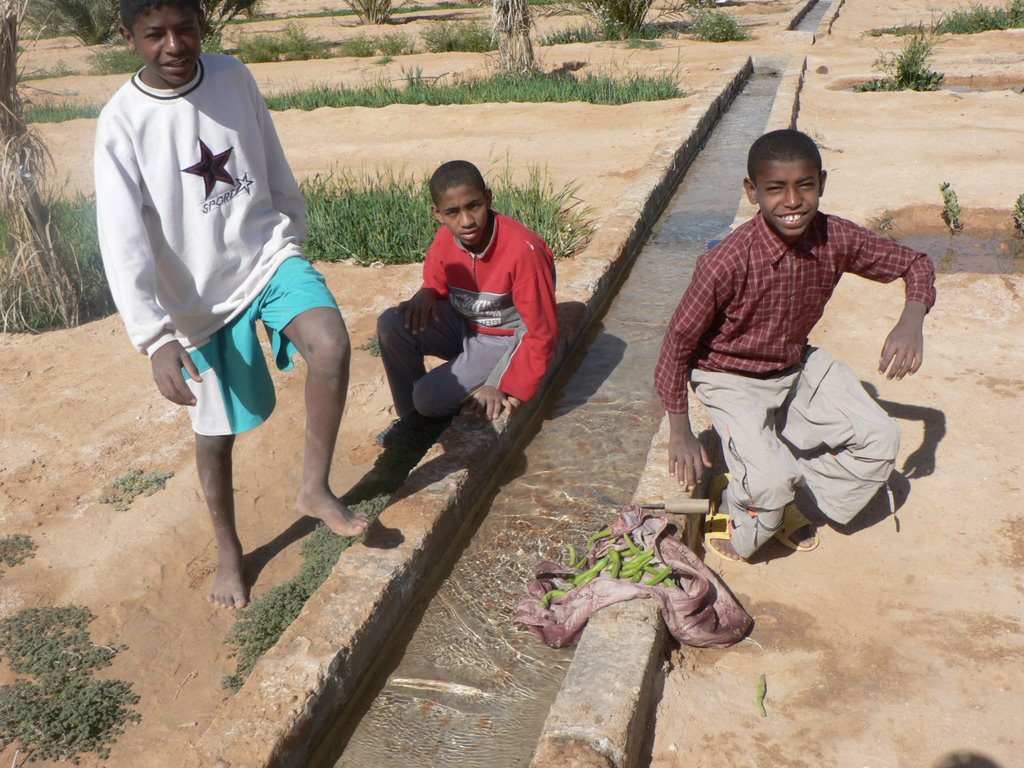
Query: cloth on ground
point(701, 612)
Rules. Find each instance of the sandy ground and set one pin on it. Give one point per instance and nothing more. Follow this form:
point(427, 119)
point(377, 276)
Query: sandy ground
point(880, 649)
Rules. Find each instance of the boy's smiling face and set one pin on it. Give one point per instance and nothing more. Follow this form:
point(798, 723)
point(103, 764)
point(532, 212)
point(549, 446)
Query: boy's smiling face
point(169, 40)
point(787, 193)
point(465, 210)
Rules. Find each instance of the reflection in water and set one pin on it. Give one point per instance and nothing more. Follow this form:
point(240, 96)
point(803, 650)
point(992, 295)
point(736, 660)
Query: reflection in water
point(471, 689)
point(967, 252)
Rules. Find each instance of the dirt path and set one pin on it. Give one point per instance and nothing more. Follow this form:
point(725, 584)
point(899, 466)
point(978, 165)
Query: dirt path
point(874, 662)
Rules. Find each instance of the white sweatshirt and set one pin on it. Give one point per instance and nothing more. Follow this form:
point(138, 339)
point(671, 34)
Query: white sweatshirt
point(195, 201)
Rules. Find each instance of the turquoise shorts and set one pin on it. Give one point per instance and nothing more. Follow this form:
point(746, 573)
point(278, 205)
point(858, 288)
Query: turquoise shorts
point(237, 393)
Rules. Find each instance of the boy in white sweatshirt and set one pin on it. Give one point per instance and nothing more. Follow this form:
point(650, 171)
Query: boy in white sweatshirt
point(200, 226)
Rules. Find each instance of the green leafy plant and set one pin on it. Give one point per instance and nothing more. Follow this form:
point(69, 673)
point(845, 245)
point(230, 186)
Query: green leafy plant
point(64, 712)
point(908, 68)
point(15, 549)
point(951, 210)
point(466, 36)
point(93, 22)
point(716, 26)
point(371, 345)
point(386, 218)
point(360, 46)
point(980, 18)
point(580, 33)
point(395, 44)
point(293, 43)
point(134, 483)
point(1018, 213)
point(884, 223)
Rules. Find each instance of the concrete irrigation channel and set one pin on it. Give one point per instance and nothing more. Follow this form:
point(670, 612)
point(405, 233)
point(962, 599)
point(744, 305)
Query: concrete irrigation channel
point(316, 681)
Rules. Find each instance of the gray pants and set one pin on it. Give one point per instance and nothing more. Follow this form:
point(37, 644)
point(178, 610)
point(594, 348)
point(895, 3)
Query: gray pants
point(471, 358)
point(813, 426)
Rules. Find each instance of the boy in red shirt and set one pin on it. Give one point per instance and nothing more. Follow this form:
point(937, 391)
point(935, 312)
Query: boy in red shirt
point(788, 415)
point(487, 307)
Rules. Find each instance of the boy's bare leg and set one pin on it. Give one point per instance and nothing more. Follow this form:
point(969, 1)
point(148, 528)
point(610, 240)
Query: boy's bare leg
point(213, 460)
point(322, 340)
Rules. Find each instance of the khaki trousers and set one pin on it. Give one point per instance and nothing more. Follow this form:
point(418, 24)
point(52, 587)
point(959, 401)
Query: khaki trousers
point(813, 425)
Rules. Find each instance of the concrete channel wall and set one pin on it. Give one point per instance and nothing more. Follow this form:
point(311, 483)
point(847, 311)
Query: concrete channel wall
point(295, 694)
point(602, 720)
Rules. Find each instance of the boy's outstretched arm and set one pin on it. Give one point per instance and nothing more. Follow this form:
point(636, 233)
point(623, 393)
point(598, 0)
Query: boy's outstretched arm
point(167, 363)
point(903, 351)
point(687, 457)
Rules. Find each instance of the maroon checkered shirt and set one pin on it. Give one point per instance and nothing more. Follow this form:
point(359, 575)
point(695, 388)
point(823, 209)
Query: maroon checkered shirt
point(753, 300)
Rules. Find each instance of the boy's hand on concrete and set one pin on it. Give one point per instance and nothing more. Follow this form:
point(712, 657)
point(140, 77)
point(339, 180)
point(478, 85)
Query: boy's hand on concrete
point(167, 363)
point(687, 457)
point(489, 402)
point(903, 351)
point(420, 310)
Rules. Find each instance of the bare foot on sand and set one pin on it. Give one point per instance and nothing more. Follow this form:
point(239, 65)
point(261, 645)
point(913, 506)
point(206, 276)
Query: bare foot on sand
point(333, 512)
point(229, 589)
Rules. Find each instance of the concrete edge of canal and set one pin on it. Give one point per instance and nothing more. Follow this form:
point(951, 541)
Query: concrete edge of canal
point(293, 696)
point(601, 715)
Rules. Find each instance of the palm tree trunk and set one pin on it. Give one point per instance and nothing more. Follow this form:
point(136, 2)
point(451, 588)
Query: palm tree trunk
point(511, 24)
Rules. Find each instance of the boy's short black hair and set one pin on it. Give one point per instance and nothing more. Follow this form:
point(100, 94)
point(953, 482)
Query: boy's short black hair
point(783, 145)
point(455, 173)
point(132, 8)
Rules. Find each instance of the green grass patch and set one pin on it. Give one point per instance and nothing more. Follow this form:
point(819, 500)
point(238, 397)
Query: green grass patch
point(59, 112)
point(594, 89)
point(980, 18)
point(114, 60)
point(386, 219)
point(64, 712)
point(60, 69)
point(134, 483)
point(17, 548)
point(465, 36)
point(293, 43)
point(579, 33)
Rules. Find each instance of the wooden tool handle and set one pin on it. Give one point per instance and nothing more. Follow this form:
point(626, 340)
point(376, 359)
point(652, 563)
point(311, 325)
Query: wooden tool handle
point(686, 506)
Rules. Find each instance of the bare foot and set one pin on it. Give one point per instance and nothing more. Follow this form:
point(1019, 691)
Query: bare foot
point(229, 589)
point(333, 512)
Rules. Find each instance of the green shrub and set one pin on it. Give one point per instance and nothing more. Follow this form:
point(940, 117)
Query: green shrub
point(75, 219)
point(908, 68)
point(715, 26)
point(293, 43)
point(581, 33)
point(617, 19)
point(387, 218)
point(65, 712)
point(980, 18)
point(395, 44)
point(15, 549)
point(951, 210)
point(113, 59)
point(467, 36)
point(220, 13)
point(372, 11)
point(1018, 213)
point(361, 46)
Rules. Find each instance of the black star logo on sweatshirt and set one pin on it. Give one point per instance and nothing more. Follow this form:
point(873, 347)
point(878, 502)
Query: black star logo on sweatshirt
point(211, 167)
